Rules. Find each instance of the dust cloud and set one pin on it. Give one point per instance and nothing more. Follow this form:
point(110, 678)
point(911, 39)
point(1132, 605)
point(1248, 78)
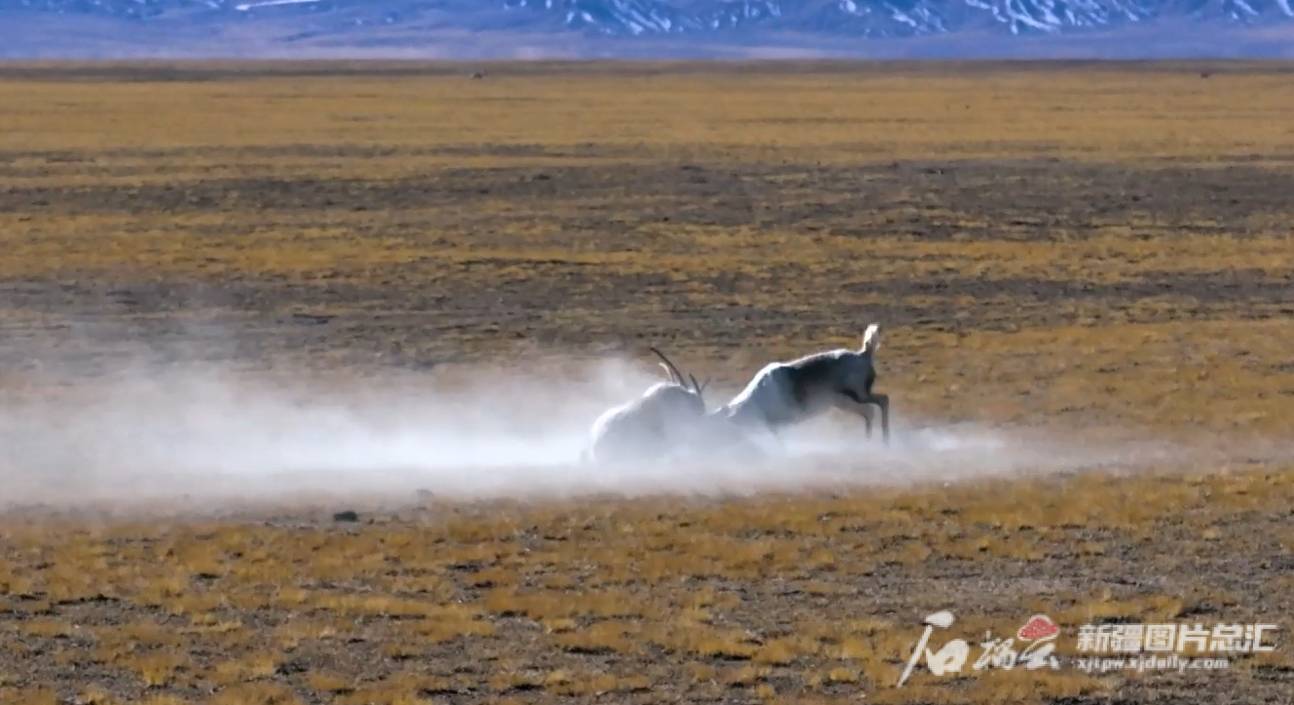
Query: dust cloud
point(204, 434)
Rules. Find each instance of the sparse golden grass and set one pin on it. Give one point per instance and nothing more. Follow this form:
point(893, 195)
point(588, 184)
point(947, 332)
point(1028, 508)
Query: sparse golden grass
point(792, 623)
point(1145, 357)
point(389, 188)
point(804, 115)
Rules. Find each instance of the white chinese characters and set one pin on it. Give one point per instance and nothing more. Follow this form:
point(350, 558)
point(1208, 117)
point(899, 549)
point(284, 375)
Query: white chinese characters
point(1181, 638)
point(1037, 637)
point(1103, 647)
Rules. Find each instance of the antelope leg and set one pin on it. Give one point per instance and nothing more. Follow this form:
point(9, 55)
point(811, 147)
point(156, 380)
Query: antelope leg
point(862, 405)
point(883, 401)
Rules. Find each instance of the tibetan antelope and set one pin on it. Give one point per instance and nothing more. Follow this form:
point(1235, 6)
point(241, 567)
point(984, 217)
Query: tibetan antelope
point(786, 393)
point(651, 425)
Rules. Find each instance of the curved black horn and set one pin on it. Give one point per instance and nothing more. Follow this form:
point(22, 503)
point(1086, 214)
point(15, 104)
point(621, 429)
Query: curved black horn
point(668, 371)
point(674, 374)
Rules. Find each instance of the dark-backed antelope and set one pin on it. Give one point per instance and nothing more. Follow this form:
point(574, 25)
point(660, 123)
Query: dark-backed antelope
point(786, 393)
point(653, 424)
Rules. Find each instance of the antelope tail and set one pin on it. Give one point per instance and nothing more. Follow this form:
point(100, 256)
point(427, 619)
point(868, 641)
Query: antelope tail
point(872, 338)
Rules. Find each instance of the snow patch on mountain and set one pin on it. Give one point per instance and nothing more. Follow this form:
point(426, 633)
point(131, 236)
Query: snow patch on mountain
point(638, 18)
point(887, 17)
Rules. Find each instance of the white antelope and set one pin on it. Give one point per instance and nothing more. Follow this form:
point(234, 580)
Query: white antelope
point(786, 393)
point(651, 425)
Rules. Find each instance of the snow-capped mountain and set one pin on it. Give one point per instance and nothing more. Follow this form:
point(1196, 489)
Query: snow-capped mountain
point(717, 18)
point(886, 17)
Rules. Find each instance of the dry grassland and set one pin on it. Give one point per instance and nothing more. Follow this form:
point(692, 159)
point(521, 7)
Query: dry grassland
point(1104, 250)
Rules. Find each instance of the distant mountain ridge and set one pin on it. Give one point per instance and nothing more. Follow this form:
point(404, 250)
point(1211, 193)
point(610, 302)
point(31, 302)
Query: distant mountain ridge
point(710, 18)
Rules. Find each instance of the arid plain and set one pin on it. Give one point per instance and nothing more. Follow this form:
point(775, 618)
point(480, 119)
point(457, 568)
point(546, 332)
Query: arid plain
point(1091, 261)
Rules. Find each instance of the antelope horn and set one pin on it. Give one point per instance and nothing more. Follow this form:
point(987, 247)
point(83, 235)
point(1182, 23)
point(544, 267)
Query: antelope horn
point(674, 374)
point(700, 389)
